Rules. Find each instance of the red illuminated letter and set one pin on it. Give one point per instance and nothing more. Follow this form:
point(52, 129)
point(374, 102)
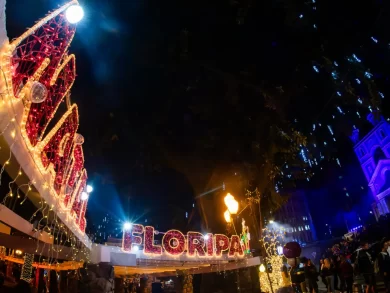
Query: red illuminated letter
point(235, 246)
point(129, 239)
point(174, 242)
point(195, 243)
point(209, 244)
point(221, 244)
point(149, 242)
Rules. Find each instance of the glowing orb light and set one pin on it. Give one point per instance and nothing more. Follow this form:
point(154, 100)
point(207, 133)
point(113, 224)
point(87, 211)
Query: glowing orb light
point(38, 92)
point(262, 268)
point(89, 188)
point(127, 226)
point(74, 14)
point(84, 196)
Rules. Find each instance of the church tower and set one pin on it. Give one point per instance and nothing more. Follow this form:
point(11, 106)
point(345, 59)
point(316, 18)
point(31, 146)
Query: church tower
point(373, 152)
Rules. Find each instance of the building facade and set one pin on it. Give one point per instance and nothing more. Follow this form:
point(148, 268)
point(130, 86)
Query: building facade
point(295, 218)
point(373, 153)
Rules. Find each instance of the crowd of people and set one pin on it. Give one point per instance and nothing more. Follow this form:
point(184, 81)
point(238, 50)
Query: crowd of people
point(340, 269)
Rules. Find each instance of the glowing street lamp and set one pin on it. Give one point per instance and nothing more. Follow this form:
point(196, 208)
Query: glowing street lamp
point(74, 14)
point(231, 204)
point(227, 216)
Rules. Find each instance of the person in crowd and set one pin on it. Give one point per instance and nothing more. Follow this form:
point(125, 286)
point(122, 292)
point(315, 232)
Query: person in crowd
point(366, 267)
point(346, 275)
point(22, 286)
point(327, 274)
point(384, 264)
point(335, 263)
point(53, 284)
point(320, 268)
point(2, 279)
point(311, 276)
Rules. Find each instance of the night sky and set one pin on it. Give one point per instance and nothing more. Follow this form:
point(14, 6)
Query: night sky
point(155, 118)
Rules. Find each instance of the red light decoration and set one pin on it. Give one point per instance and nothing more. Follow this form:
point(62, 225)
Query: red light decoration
point(195, 244)
point(129, 239)
point(221, 244)
point(235, 246)
point(38, 70)
point(51, 40)
point(174, 242)
point(150, 248)
point(77, 195)
point(57, 150)
point(77, 164)
point(209, 239)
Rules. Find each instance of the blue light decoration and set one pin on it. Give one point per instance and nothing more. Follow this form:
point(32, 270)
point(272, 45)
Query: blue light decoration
point(316, 69)
point(356, 228)
point(375, 40)
point(314, 26)
point(360, 101)
point(368, 74)
point(303, 155)
point(338, 162)
point(358, 80)
point(334, 74)
point(301, 16)
point(335, 63)
point(338, 93)
point(314, 127)
point(340, 110)
point(382, 95)
point(358, 114)
point(330, 129)
point(356, 58)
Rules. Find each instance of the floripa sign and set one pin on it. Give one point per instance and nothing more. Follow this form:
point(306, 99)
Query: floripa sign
point(175, 243)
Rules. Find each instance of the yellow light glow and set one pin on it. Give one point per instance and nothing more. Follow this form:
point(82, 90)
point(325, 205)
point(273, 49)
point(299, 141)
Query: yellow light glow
point(227, 216)
point(262, 268)
point(231, 204)
point(18, 252)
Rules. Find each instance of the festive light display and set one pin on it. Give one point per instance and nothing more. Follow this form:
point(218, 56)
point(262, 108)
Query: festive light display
point(235, 246)
point(273, 260)
point(196, 244)
point(221, 244)
point(175, 243)
point(209, 244)
point(27, 267)
point(150, 248)
point(38, 75)
point(129, 239)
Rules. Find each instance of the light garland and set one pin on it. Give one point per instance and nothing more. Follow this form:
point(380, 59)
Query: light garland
point(27, 267)
point(271, 241)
